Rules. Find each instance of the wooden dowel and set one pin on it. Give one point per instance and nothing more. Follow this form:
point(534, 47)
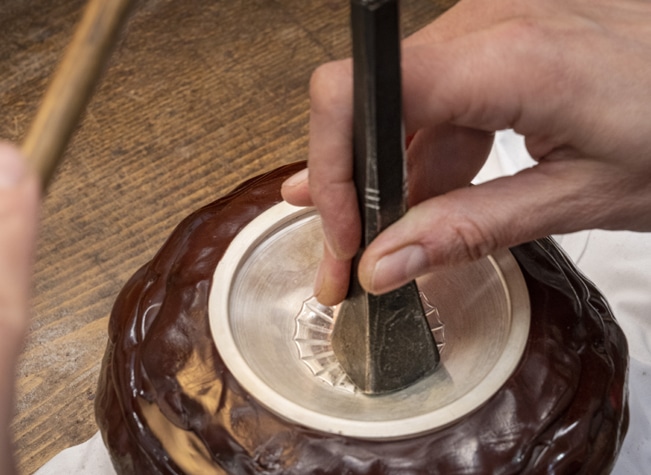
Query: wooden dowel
point(72, 85)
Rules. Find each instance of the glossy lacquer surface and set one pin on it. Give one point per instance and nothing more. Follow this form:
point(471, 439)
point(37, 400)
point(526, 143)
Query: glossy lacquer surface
point(168, 404)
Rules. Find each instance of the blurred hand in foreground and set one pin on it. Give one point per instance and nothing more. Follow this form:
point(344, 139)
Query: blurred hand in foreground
point(19, 195)
point(573, 77)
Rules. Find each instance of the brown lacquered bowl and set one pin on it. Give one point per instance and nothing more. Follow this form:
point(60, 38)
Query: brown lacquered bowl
point(218, 361)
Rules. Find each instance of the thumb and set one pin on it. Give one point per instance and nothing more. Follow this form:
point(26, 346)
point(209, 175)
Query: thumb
point(557, 196)
point(19, 195)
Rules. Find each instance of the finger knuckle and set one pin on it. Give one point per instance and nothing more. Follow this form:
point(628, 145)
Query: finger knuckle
point(472, 241)
point(328, 86)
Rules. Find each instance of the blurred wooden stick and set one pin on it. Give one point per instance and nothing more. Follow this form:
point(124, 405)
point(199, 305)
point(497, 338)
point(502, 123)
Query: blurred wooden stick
point(72, 85)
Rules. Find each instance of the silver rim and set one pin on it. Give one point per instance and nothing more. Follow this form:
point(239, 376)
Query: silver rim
point(266, 275)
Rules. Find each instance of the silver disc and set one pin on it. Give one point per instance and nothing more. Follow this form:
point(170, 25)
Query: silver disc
point(273, 336)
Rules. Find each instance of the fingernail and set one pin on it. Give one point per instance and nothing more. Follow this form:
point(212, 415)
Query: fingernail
point(318, 282)
point(398, 268)
point(12, 166)
point(329, 242)
point(297, 178)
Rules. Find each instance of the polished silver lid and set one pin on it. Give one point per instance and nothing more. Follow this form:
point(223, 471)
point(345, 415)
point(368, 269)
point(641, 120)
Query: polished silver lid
point(273, 335)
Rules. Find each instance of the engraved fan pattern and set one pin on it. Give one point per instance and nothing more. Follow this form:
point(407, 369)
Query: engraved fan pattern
point(312, 337)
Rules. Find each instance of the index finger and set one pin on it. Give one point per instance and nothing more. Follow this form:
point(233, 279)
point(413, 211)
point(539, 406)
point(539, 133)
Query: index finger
point(330, 159)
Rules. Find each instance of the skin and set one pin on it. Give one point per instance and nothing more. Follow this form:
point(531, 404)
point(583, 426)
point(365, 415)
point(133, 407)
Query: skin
point(19, 197)
point(572, 76)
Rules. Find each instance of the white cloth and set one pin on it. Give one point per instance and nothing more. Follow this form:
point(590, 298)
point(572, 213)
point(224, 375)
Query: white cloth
point(89, 458)
point(619, 263)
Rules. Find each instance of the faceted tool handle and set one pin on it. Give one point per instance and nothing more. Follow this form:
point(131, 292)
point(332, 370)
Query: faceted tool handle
point(384, 343)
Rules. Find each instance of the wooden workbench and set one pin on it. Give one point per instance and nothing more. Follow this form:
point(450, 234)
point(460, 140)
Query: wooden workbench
point(199, 96)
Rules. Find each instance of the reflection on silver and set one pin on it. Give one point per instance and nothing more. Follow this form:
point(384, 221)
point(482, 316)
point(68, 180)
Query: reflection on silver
point(314, 324)
point(434, 319)
point(267, 273)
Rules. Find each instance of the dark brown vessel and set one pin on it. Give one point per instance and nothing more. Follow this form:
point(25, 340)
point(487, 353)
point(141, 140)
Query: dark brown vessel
point(167, 403)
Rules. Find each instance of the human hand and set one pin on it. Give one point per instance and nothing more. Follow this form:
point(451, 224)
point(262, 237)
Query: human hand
point(573, 77)
point(19, 193)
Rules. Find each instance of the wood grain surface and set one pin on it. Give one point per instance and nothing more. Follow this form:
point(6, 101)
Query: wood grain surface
point(198, 96)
